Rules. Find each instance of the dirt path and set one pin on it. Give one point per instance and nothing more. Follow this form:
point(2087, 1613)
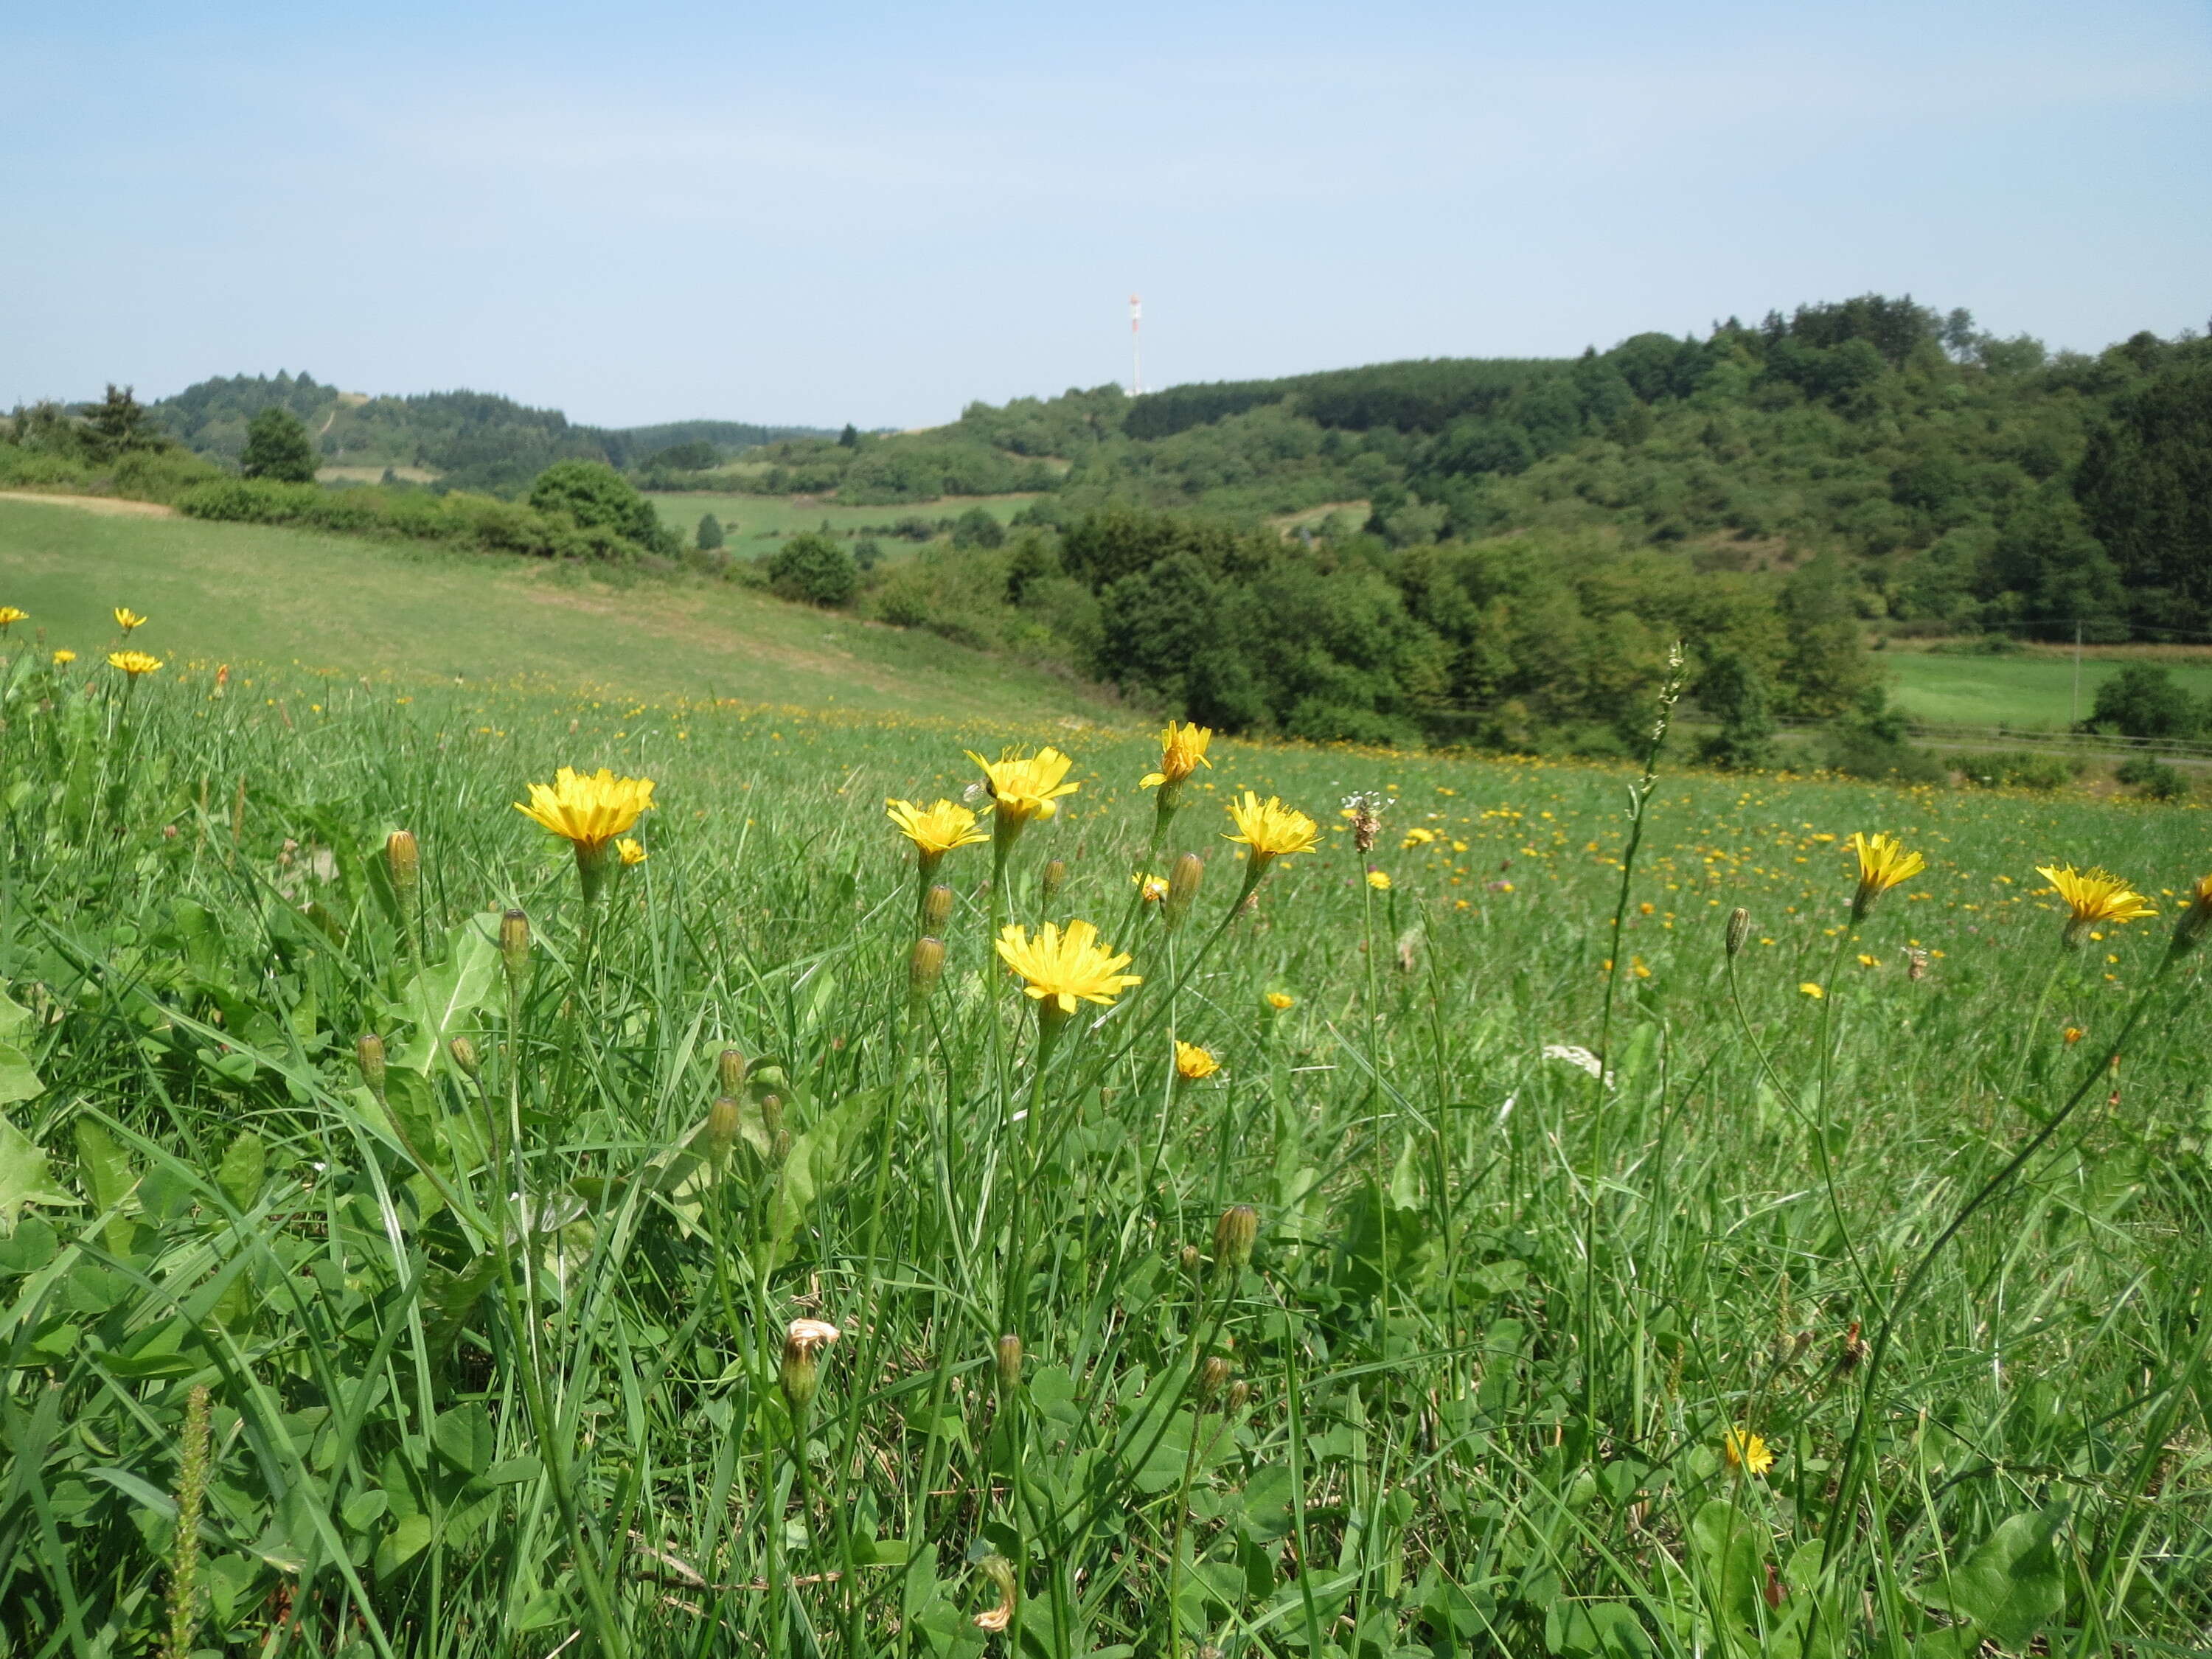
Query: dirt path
point(110, 504)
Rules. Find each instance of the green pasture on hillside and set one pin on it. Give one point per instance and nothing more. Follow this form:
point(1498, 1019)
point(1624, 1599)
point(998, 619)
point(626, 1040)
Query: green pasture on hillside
point(752, 522)
point(354, 606)
point(2028, 693)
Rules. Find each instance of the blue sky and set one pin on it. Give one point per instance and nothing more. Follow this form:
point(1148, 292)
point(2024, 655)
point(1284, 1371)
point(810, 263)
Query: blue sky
point(648, 211)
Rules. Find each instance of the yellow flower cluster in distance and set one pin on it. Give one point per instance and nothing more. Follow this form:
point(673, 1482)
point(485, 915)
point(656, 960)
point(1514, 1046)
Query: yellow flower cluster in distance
point(1379, 880)
point(1270, 829)
point(936, 830)
point(587, 809)
point(1883, 863)
point(1182, 751)
point(632, 852)
point(126, 618)
point(64, 657)
point(1279, 1000)
point(1194, 1063)
point(133, 663)
point(1063, 967)
point(2093, 896)
point(1026, 787)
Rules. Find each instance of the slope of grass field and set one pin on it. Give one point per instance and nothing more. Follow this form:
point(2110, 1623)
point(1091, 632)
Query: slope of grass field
point(2028, 693)
point(753, 522)
point(1851, 1303)
point(239, 592)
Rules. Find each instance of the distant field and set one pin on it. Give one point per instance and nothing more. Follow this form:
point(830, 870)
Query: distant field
point(759, 519)
point(248, 593)
point(2033, 692)
point(373, 474)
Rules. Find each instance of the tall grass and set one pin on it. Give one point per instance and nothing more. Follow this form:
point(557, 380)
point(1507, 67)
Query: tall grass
point(493, 1332)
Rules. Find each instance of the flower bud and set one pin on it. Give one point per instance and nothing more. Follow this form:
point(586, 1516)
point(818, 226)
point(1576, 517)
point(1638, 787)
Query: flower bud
point(925, 967)
point(729, 1071)
point(1010, 1361)
point(936, 909)
point(403, 859)
point(1189, 1260)
point(1055, 875)
point(514, 945)
point(464, 1056)
point(779, 1137)
point(1183, 887)
point(369, 1051)
point(1240, 1395)
point(803, 1342)
point(1212, 1377)
point(1739, 929)
point(1232, 1237)
point(720, 1134)
point(1000, 1572)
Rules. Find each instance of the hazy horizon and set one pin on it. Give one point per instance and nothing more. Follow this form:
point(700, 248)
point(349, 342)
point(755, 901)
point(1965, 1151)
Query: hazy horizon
point(679, 213)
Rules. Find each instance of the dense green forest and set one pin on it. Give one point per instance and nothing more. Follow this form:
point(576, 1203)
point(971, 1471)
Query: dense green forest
point(470, 439)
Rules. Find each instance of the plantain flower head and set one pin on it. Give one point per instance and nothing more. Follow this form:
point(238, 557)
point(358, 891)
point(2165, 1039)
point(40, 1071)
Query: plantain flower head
point(2093, 897)
point(1182, 751)
point(589, 809)
point(1883, 863)
point(1062, 968)
point(935, 830)
point(1026, 787)
point(133, 663)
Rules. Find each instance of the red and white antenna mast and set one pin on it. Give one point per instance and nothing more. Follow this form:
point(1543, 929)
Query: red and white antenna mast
point(1136, 346)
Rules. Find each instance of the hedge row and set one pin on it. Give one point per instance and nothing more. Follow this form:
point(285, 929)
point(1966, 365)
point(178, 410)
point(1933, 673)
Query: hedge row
point(483, 522)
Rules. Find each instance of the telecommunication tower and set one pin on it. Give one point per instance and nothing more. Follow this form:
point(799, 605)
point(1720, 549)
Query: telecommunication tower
point(1136, 346)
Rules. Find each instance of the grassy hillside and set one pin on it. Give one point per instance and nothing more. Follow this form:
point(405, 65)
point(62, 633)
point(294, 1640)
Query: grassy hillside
point(241, 592)
point(752, 522)
point(1851, 1305)
point(2029, 693)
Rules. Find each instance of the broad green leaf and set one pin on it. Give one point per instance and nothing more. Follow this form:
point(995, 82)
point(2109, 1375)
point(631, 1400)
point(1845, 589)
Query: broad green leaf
point(463, 1438)
point(19, 1078)
point(106, 1171)
point(243, 1167)
point(1728, 1559)
point(818, 1159)
point(16, 1022)
point(2011, 1586)
point(405, 1542)
point(442, 998)
point(24, 1179)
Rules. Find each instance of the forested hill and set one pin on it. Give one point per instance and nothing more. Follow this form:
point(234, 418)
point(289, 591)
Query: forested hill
point(472, 440)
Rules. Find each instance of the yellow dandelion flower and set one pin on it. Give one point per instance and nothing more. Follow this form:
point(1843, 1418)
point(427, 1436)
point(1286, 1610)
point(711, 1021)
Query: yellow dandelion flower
point(64, 657)
point(1062, 966)
point(1279, 1000)
point(10, 615)
point(589, 809)
point(1883, 863)
point(133, 663)
point(1271, 829)
point(935, 830)
point(1420, 835)
point(2093, 896)
point(632, 852)
point(1742, 1450)
point(2074, 1034)
point(2195, 918)
point(1152, 889)
point(1182, 751)
point(126, 618)
point(1379, 880)
point(1026, 787)
point(1193, 1062)
point(1812, 990)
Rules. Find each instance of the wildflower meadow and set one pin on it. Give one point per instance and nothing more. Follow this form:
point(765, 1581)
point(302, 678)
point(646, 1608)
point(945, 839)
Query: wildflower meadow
point(485, 1173)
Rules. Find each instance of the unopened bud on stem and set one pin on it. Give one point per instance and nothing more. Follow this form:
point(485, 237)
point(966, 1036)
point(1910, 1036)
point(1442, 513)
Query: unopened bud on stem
point(514, 946)
point(800, 1375)
point(464, 1056)
point(1183, 887)
point(1010, 1361)
point(721, 1131)
point(1233, 1236)
point(729, 1071)
point(925, 967)
point(1739, 929)
point(1055, 875)
point(936, 909)
point(369, 1051)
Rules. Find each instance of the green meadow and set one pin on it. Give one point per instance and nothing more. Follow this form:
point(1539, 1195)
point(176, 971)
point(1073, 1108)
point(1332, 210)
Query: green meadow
point(410, 1246)
point(350, 605)
point(2030, 693)
point(753, 522)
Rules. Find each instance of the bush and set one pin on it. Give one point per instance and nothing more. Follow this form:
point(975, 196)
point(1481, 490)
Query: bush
point(977, 528)
point(2157, 780)
point(710, 535)
point(598, 497)
point(2021, 771)
point(278, 447)
point(811, 567)
point(2142, 700)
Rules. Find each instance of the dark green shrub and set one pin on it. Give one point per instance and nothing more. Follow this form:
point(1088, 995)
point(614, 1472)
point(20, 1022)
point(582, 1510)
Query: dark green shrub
point(2021, 771)
point(2157, 780)
point(812, 567)
point(709, 536)
point(2142, 701)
